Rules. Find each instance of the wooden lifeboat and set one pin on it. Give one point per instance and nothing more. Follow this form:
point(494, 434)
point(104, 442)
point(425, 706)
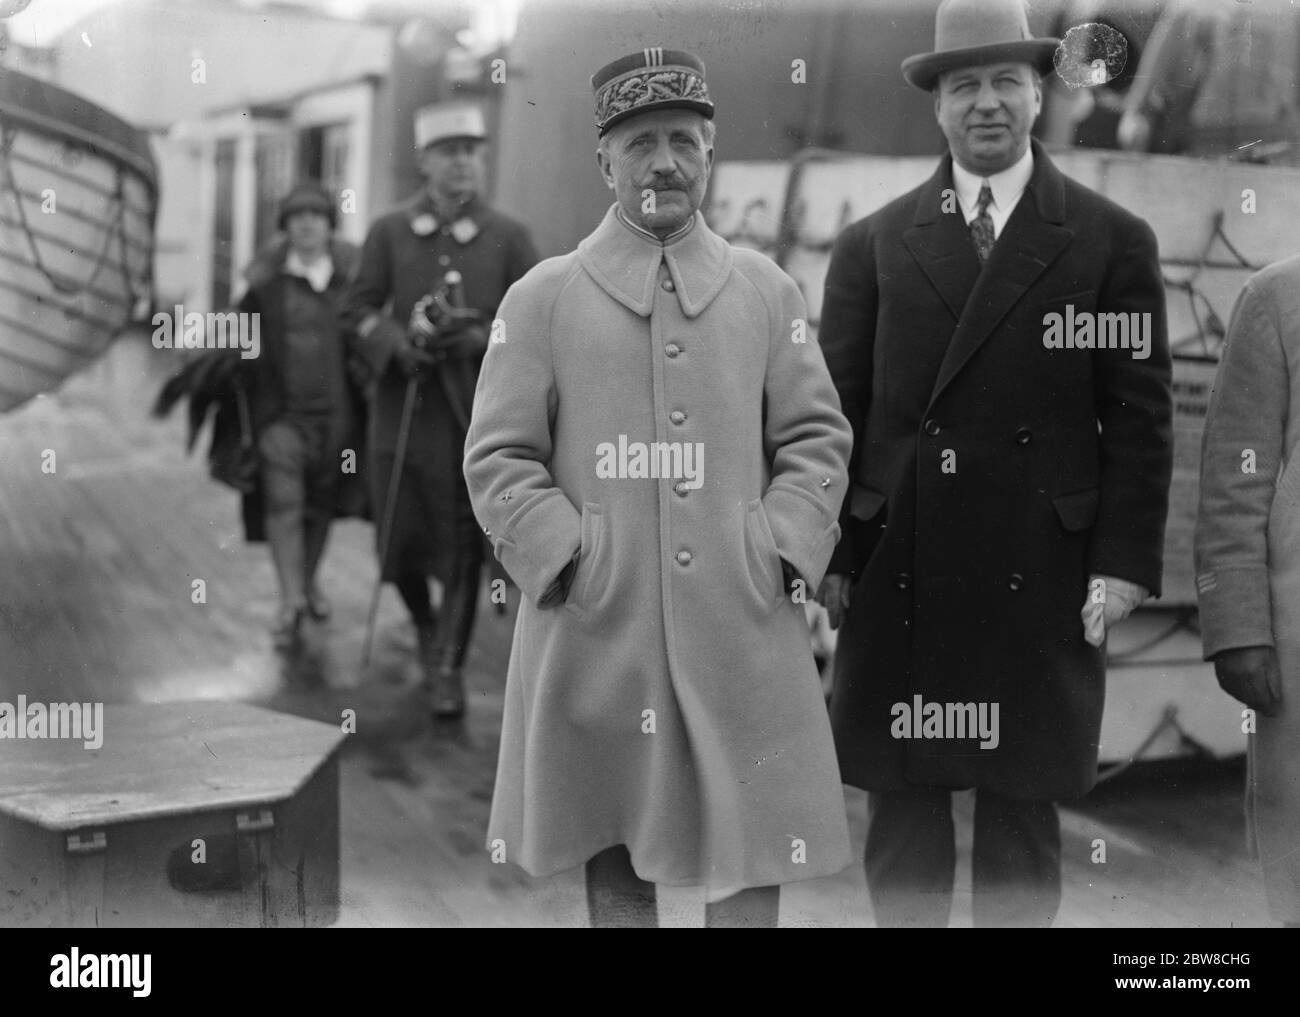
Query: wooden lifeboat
point(78, 196)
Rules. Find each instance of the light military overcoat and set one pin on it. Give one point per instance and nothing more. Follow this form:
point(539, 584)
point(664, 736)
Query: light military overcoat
point(671, 703)
point(1248, 549)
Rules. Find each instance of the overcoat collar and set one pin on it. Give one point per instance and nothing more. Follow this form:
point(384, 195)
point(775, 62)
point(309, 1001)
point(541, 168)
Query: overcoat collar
point(625, 264)
point(978, 299)
point(467, 224)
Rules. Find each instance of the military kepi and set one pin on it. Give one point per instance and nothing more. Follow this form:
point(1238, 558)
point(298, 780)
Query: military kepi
point(649, 80)
point(972, 33)
point(445, 121)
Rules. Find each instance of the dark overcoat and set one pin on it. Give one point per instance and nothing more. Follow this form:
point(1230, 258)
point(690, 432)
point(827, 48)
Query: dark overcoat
point(991, 477)
point(406, 254)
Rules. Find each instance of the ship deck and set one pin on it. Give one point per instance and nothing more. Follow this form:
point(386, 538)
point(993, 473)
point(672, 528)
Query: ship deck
point(96, 565)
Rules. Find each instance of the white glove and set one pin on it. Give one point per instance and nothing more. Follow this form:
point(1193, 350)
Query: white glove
point(1109, 602)
point(419, 322)
point(1133, 132)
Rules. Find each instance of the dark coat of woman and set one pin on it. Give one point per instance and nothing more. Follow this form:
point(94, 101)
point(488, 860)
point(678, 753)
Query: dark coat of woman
point(264, 376)
point(242, 396)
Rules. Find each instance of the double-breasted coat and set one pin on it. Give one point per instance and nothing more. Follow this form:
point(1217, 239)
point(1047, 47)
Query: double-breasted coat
point(1248, 548)
point(406, 254)
point(671, 703)
point(992, 476)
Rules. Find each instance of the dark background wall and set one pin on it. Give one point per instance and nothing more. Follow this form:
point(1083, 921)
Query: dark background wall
point(855, 98)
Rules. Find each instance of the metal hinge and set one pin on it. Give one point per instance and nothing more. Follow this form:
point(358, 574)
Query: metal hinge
point(254, 821)
point(84, 843)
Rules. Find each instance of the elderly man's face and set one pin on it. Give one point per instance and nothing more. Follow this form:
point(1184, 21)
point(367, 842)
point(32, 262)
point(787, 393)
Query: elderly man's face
point(986, 114)
point(453, 168)
point(657, 164)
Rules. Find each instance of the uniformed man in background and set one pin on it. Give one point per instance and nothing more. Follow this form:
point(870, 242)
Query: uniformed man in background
point(446, 227)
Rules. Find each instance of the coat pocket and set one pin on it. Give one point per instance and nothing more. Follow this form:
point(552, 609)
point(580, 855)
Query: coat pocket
point(761, 554)
point(591, 577)
point(1078, 509)
point(1080, 301)
point(1286, 491)
point(865, 503)
point(1283, 519)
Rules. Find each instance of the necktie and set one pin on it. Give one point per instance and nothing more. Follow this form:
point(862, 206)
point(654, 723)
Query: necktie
point(981, 227)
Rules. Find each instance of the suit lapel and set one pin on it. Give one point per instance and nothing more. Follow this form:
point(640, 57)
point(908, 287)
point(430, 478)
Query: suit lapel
point(941, 244)
point(1032, 239)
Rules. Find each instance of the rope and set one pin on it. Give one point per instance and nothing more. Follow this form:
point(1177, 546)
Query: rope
point(1184, 620)
point(1168, 718)
point(60, 285)
point(1218, 231)
point(1211, 324)
point(120, 197)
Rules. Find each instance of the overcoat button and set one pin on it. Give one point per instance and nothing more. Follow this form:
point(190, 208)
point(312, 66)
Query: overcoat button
point(681, 488)
point(932, 427)
point(1016, 581)
point(902, 580)
point(1023, 436)
point(672, 349)
point(444, 260)
point(683, 557)
point(668, 285)
point(677, 417)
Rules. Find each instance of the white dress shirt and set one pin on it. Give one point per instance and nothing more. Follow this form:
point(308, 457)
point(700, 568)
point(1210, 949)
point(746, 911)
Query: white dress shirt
point(1007, 187)
point(317, 274)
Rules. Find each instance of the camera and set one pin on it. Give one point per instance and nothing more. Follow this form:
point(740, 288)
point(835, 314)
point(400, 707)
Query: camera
point(440, 315)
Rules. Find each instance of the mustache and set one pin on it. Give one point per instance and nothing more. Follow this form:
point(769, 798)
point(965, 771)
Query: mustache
point(667, 184)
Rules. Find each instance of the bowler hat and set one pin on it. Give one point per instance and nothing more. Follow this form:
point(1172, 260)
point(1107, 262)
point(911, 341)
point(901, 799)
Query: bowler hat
point(970, 33)
point(650, 79)
point(308, 196)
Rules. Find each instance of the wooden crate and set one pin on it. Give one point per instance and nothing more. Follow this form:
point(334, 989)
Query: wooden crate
point(189, 814)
